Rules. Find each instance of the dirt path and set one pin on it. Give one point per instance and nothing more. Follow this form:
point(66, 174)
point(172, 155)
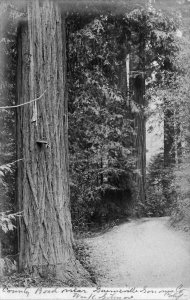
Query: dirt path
point(146, 252)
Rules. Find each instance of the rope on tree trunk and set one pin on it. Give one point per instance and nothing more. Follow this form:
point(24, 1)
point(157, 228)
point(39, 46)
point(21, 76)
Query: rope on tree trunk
point(22, 104)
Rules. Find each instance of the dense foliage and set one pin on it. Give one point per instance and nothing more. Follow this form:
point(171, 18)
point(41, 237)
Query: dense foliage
point(156, 204)
point(101, 134)
point(181, 211)
point(171, 97)
point(8, 54)
point(100, 149)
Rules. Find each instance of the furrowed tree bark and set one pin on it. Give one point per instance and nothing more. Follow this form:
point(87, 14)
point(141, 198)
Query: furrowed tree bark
point(139, 138)
point(45, 237)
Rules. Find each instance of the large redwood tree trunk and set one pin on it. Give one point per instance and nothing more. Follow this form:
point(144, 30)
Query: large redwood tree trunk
point(45, 238)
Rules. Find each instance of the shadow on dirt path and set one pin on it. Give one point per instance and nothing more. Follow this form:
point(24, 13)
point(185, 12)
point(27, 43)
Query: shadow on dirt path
point(145, 252)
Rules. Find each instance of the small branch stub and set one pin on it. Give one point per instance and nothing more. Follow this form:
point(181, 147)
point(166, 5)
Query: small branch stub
point(41, 142)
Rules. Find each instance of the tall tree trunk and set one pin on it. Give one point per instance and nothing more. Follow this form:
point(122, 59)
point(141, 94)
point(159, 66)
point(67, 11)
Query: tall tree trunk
point(140, 137)
point(169, 149)
point(139, 118)
point(169, 134)
point(177, 137)
point(45, 238)
point(138, 141)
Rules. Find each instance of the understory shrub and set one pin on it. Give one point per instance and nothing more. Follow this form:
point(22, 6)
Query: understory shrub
point(160, 190)
point(180, 217)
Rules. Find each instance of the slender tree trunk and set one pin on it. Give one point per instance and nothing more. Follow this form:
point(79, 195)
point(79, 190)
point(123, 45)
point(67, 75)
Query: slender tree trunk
point(169, 150)
point(138, 141)
point(140, 137)
point(172, 149)
point(139, 120)
point(178, 138)
point(45, 238)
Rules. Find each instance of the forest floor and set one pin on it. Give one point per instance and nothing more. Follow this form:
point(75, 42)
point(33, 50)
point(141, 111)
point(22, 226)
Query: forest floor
point(145, 252)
